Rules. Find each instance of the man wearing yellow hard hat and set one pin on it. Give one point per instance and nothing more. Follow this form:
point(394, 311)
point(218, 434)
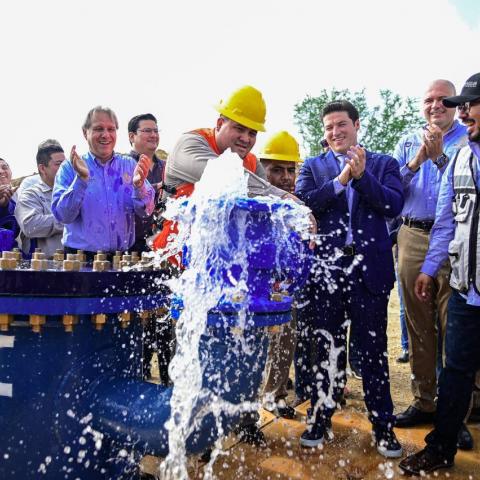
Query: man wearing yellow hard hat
point(280, 156)
point(242, 115)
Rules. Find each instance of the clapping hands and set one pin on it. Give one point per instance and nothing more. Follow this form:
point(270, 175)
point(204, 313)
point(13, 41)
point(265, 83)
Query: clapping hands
point(79, 165)
point(6, 193)
point(141, 171)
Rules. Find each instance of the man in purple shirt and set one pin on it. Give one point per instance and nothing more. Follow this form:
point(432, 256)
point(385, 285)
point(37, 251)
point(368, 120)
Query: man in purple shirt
point(97, 196)
point(455, 235)
point(423, 156)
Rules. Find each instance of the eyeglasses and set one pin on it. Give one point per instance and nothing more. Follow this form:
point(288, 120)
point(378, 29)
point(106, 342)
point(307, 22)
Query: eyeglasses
point(149, 131)
point(465, 107)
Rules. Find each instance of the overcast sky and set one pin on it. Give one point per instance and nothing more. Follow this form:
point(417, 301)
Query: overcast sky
point(176, 59)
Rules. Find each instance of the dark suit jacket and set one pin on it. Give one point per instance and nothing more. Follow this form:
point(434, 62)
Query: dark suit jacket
point(376, 197)
point(143, 226)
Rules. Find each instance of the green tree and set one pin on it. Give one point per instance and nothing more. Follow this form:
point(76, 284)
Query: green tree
point(381, 126)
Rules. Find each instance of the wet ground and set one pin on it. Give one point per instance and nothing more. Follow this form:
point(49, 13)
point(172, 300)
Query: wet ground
point(350, 456)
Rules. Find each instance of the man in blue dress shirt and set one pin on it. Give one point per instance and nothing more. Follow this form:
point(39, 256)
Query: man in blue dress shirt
point(351, 192)
point(97, 196)
point(423, 157)
point(455, 235)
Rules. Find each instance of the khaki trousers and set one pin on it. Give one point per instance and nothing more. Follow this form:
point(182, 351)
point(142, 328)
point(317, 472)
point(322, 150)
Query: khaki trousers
point(280, 356)
point(422, 317)
point(476, 393)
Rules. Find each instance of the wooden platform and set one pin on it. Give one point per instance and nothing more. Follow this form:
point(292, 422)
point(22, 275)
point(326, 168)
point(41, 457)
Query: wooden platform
point(350, 456)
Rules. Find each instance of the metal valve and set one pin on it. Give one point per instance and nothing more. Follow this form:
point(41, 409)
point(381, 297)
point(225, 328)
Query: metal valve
point(125, 318)
point(145, 316)
point(276, 297)
point(99, 319)
point(100, 262)
point(69, 321)
point(5, 320)
point(71, 263)
point(39, 261)
point(10, 260)
point(36, 322)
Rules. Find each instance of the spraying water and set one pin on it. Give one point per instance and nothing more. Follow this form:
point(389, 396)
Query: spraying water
point(213, 277)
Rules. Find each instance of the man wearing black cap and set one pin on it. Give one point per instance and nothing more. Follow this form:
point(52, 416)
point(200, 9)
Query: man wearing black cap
point(456, 235)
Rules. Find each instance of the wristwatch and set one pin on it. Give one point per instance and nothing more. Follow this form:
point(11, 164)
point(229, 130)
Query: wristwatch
point(441, 160)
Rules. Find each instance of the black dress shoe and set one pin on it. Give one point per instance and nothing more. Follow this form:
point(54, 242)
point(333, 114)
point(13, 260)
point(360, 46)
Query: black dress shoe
point(474, 415)
point(206, 455)
point(404, 357)
point(424, 461)
point(286, 412)
point(313, 436)
point(464, 438)
point(387, 443)
point(412, 416)
point(252, 435)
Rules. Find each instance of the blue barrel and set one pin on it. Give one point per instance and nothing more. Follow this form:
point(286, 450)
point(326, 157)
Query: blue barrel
point(72, 400)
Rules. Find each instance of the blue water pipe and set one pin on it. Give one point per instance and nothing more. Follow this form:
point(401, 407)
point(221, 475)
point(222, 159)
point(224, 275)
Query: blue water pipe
point(73, 403)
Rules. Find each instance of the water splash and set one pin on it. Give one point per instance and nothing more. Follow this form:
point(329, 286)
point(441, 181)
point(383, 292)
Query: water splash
point(203, 229)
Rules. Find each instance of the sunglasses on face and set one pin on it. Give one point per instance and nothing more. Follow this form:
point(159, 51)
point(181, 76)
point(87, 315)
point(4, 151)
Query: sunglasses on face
point(465, 107)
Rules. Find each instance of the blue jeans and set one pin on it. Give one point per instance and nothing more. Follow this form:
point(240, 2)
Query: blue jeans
point(457, 378)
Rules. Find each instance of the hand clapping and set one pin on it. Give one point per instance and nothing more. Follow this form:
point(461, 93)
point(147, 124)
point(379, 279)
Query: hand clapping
point(433, 140)
point(79, 165)
point(6, 193)
point(141, 171)
point(356, 159)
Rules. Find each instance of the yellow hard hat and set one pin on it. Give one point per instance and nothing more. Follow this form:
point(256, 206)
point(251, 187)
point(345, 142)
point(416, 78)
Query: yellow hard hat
point(281, 146)
point(245, 106)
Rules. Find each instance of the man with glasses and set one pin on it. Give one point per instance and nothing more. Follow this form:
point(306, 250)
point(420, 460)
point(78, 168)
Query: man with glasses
point(97, 195)
point(144, 137)
point(423, 157)
point(455, 235)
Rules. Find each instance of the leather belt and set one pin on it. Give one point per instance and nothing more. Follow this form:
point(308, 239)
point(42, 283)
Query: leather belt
point(349, 250)
point(425, 225)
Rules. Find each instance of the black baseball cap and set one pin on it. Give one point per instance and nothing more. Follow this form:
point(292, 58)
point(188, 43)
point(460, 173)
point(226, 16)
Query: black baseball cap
point(470, 93)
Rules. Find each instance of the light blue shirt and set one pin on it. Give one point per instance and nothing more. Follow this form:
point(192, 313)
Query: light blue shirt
point(339, 188)
point(421, 188)
point(443, 231)
point(100, 214)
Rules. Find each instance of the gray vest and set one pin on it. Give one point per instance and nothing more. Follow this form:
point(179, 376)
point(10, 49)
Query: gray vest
point(464, 249)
